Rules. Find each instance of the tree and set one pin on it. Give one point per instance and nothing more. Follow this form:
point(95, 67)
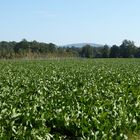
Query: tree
point(114, 51)
point(137, 54)
point(51, 47)
point(6, 49)
point(22, 46)
point(87, 51)
point(105, 51)
point(127, 49)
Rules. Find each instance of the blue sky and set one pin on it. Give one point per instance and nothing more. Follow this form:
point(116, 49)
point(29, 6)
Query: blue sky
point(70, 21)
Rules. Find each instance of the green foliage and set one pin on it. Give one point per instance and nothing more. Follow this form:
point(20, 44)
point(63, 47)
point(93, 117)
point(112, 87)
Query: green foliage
point(114, 51)
point(127, 49)
point(36, 50)
point(69, 99)
point(87, 51)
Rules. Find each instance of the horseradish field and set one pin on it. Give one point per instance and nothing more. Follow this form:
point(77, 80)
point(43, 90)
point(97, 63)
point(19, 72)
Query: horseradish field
point(95, 99)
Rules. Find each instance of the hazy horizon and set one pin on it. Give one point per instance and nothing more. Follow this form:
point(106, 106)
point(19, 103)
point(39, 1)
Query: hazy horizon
point(68, 22)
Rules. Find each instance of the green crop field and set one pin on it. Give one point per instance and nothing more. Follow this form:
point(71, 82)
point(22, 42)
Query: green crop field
point(95, 99)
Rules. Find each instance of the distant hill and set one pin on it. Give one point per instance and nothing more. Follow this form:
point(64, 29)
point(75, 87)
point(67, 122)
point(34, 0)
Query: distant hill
point(79, 45)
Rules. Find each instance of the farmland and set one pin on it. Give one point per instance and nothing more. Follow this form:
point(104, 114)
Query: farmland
point(70, 99)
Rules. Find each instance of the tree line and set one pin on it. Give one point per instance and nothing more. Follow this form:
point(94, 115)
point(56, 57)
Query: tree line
point(31, 49)
point(126, 50)
point(34, 49)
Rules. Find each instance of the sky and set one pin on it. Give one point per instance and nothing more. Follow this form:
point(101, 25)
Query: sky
point(70, 21)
